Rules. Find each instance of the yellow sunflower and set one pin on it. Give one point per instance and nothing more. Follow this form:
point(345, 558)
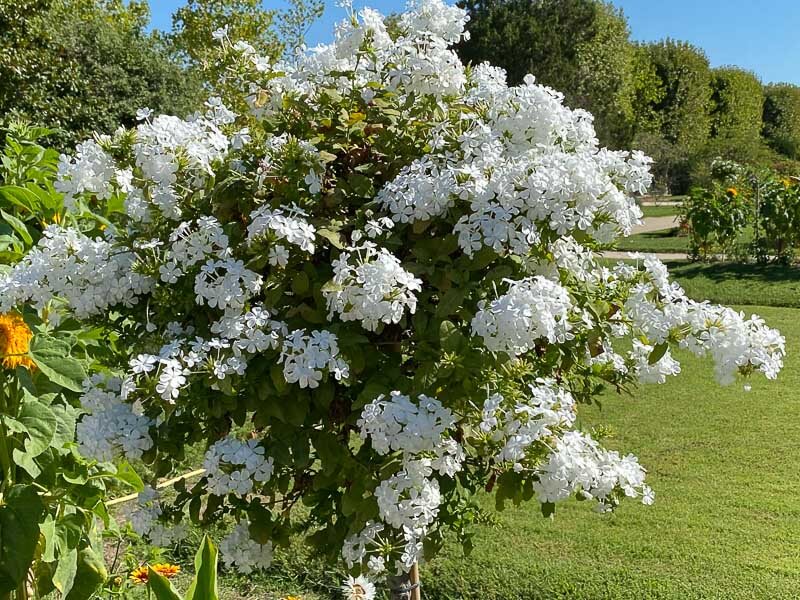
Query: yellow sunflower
point(15, 338)
point(733, 191)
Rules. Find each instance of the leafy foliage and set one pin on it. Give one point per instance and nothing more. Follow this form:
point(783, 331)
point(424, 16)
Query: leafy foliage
point(782, 119)
point(580, 47)
point(83, 66)
point(52, 496)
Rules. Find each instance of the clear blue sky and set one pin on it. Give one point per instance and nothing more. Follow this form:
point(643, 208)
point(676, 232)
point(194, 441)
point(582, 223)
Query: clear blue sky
point(761, 36)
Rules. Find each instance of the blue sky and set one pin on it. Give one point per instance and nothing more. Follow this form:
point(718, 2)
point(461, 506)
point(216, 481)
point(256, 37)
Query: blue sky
point(761, 36)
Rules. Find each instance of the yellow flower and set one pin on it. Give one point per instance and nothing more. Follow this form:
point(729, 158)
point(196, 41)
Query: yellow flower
point(293, 598)
point(733, 192)
point(166, 570)
point(15, 338)
point(140, 574)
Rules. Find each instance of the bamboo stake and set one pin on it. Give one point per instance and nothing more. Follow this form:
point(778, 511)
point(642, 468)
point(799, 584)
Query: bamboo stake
point(416, 594)
point(163, 484)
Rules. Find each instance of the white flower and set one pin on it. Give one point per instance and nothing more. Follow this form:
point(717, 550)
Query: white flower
point(533, 309)
point(375, 289)
point(358, 588)
point(306, 357)
point(244, 554)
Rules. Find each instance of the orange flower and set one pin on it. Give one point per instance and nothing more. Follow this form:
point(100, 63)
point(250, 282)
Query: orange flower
point(15, 339)
point(732, 191)
point(166, 570)
point(140, 574)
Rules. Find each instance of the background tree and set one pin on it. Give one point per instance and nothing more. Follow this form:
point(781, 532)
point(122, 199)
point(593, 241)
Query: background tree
point(580, 47)
point(270, 32)
point(737, 105)
point(782, 118)
point(81, 66)
point(682, 112)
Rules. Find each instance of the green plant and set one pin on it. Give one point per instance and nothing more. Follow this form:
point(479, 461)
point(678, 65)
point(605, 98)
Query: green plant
point(202, 587)
point(717, 218)
point(778, 220)
point(50, 496)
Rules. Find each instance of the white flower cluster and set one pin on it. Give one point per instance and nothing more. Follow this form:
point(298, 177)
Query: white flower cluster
point(579, 464)
point(282, 223)
point(659, 370)
point(515, 428)
point(408, 501)
point(376, 289)
point(241, 552)
point(396, 424)
point(163, 143)
point(192, 244)
point(237, 337)
point(145, 520)
point(659, 309)
point(234, 467)
point(225, 284)
point(533, 309)
point(90, 275)
point(89, 170)
point(306, 357)
point(112, 427)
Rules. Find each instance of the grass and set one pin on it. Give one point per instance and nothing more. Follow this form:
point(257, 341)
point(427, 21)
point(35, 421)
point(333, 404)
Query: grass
point(725, 520)
point(729, 283)
point(660, 211)
point(666, 240)
point(722, 462)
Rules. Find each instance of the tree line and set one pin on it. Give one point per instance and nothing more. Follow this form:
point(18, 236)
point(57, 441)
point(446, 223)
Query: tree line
point(662, 97)
point(88, 65)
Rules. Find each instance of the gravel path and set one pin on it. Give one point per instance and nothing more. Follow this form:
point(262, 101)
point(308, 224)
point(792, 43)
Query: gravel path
point(657, 224)
point(663, 256)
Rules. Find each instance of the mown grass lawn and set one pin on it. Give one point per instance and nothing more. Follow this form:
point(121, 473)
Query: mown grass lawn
point(723, 462)
point(666, 240)
point(730, 283)
point(726, 523)
point(660, 211)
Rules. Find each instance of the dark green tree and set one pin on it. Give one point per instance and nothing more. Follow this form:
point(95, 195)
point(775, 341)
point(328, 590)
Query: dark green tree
point(81, 66)
point(675, 129)
point(271, 32)
point(782, 119)
point(580, 47)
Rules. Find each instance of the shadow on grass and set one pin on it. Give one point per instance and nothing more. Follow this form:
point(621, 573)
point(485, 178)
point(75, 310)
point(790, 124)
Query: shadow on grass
point(730, 283)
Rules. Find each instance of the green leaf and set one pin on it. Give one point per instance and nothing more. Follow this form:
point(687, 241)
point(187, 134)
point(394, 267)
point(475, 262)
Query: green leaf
point(41, 424)
point(66, 569)
point(126, 473)
point(52, 358)
point(450, 302)
point(18, 226)
point(91, 575)
point(204, 585)
point(66, 417)
point(160, 586)
point(332, 236)
point(25, 462)
point(19, 534)
point(450, 337)
point(658, 353)
point(48, 530)
point(300, 283)
point(12, 425)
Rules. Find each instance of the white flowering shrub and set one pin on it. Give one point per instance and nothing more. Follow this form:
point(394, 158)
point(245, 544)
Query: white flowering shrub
point(382, 271)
